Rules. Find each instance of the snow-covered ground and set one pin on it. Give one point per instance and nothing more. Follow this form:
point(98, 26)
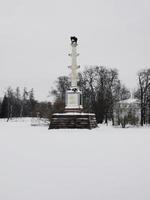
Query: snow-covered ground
point(101, 164)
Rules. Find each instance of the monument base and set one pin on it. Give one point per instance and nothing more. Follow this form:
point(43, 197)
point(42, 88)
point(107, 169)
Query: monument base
point(73, 120)
point(73, 110)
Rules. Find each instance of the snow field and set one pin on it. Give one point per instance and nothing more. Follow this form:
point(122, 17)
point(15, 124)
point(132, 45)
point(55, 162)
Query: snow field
point(104, 163)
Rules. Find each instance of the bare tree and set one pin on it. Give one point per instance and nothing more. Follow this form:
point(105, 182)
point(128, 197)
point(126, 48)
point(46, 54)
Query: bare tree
point(101, 89)
point(144, 93)
point(61, 85)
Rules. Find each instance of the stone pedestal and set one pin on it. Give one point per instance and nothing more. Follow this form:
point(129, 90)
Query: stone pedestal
point(73, 120)
point(73, 101)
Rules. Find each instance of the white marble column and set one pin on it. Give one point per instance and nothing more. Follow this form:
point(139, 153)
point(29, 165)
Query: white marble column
point(74, 66)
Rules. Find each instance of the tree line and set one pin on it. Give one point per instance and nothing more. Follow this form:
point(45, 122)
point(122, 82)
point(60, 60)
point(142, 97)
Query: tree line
point(101, 90)
point(22, 104)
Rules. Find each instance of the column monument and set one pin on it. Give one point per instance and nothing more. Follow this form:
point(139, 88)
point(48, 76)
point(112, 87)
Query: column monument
point(73, 116)
point(73, 99)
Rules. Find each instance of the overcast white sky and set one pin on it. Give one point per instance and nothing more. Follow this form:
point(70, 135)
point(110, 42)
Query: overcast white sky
point(35, 39)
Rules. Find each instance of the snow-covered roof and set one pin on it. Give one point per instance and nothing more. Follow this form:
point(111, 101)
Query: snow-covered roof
point(73, 113)
point(130, 101)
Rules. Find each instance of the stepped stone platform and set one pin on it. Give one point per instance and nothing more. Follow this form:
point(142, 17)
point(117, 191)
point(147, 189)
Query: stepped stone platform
point(73, 120)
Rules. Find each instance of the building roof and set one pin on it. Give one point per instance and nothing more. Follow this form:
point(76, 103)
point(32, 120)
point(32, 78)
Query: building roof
point(129, 101)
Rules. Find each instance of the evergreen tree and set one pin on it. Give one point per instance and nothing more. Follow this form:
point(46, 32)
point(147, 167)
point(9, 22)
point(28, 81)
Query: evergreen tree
point(24, 104)
point(32, 103)
point(4, 108)
point(17, 103)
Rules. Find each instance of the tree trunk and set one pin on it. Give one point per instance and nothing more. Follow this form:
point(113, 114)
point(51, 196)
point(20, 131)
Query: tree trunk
point(113, 122)
point(106, 119)
point(142, 117)
point(149, 114)
point(142, 109)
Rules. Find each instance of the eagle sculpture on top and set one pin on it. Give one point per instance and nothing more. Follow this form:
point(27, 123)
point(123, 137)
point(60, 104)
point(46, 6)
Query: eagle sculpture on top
point(73, 40)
